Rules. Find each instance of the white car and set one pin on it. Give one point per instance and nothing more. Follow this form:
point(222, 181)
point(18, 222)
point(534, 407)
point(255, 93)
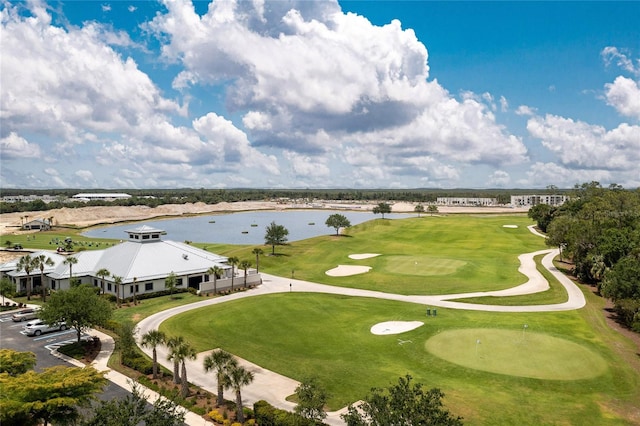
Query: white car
point(37, 327)
point(25, 314)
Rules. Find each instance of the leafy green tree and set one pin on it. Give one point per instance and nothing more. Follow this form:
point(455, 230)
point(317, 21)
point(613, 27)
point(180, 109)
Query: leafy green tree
point(216, 272)
point(337, 221)
point(432, 209)
point(402, 404)
point(233, 261)
point(542, 214)
point(311, 400)
point(53, 396)
point(245, 265)
point(103, 273)
point(258, 252)
point(133, 410)
point(170, 282)
point(275, 235)
point(623, 280)
point(8, 243)
point(42, 262)
point(239, 377)
point(221, 362)
point(79, 306)
point(27, 264)
point(126, 340)
point(6, 288)
point(382, 208)
point(152, 339)
point(419, 208)
point(14, 362)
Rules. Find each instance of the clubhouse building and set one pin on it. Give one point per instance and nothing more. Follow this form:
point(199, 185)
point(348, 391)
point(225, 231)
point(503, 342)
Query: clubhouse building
point(142, 263)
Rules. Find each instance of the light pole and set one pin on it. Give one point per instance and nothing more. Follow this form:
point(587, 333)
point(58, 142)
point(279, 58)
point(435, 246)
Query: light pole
point(523, 330)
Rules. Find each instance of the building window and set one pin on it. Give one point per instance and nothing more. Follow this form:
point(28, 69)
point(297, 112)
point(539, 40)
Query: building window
point(109, 286)
point(148, 287)
point(145, 237)
point(53, 284)
point(178, 282)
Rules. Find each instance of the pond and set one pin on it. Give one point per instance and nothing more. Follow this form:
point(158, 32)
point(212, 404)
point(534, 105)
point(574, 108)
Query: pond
point(243, 228)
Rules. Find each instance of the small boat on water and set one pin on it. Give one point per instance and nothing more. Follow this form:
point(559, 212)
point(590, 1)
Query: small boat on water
point(254, 224)
point(312, 223)
point(212, 221)
point(245, 232)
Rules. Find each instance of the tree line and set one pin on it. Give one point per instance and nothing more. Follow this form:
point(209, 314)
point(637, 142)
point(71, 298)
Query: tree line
point(156, 197)
point(598, 230)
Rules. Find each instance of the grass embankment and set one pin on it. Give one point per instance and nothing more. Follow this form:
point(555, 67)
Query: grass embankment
point(50, 240)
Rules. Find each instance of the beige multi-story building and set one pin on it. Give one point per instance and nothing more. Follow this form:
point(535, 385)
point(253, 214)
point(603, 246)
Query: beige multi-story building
point(532, 200)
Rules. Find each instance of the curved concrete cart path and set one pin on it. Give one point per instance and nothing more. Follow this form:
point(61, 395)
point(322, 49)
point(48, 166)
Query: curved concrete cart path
point(275, 388)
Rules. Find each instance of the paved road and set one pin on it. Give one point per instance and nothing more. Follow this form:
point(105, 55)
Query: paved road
point(275, 388)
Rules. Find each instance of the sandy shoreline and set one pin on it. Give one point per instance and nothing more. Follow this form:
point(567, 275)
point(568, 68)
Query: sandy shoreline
point(88, 216)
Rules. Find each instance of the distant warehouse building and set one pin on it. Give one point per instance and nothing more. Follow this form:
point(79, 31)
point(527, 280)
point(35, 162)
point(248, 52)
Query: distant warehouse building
point(533, 200)
point(466, 201)
point(102, 196)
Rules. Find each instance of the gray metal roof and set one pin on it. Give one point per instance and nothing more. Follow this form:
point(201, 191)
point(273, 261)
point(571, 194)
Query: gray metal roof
point(11, 267)
point(151, 260)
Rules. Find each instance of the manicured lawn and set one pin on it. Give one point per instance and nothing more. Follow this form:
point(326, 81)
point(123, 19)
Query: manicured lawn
point(427, 255)
point(46, 240)
point(554, 295)
point(151, 306)
point(329, 337)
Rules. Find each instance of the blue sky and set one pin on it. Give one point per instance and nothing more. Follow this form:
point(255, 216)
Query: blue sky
point(286, 94)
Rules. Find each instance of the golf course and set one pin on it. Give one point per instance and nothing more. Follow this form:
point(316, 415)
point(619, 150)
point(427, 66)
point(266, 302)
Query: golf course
point(564, 367)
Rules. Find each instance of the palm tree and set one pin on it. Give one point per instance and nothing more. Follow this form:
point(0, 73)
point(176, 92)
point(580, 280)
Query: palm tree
point(133, 287)
point(102, 273)
point(42, 261)
point(221, 362)
point(257, 251)
point(216, 271)
point(239, 377)
point(180, 352)
point(173, 343)
point(27, 264)
point(70, 260)
point(233, 261)
point(152, 339)
point(245, 264)
point(118, 282)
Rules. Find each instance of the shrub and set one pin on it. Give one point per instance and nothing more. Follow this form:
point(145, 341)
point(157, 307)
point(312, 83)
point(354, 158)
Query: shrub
point(139, 363)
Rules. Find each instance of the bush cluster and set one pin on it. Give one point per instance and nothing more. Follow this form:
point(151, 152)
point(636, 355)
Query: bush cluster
point(267, 415)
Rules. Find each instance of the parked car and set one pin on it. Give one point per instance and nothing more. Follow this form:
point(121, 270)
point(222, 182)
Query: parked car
point(25, 315)
point(37, 327)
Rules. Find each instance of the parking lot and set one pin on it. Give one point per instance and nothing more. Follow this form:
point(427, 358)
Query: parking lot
point(12, 338)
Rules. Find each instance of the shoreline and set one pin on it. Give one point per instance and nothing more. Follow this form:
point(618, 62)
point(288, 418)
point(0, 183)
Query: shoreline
point(85, 217)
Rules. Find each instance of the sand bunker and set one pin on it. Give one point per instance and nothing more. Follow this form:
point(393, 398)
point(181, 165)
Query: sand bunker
point(363, 256)
point(509, 226)
point(395, 327)
point(347, 270)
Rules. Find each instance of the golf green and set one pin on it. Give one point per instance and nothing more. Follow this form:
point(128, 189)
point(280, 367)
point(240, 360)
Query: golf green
point(422, 265)
point(521, 353)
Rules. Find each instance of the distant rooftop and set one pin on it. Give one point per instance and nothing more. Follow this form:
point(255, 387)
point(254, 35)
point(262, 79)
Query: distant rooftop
point(101, 196)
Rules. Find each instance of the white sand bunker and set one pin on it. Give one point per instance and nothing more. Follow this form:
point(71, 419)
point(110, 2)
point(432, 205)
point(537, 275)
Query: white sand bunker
point(509, 226)
point(363, 256)
point(395, 327)
point(347, 270)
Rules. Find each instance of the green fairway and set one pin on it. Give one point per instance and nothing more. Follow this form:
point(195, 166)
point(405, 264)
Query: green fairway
point(328, 336)
point(427, 255)
point(517, 353)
